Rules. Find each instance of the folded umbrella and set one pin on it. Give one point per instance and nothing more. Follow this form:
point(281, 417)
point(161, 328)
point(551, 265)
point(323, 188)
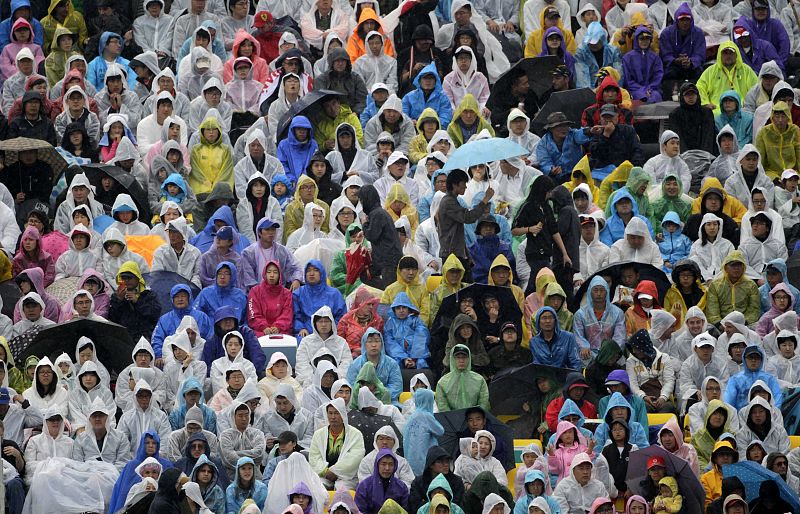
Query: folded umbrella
point(484, 151)
point(689, 485)
point(571, 102)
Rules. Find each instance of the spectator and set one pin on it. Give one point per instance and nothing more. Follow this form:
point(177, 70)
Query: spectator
point(593, 53)
point(732, 115)
point(643, 69)
point(693, 122)
point(683, 47)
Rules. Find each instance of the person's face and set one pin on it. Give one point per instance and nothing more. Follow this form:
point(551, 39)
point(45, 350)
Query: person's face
point(713, 390)
point(756, 453)
point(164, 109)
point(704, 352)
point(307, 192)
point(723, 458)
point(441, 465)
point(267, 235)
point(32, 311)
point(727, 144)
point(735, 270)
point(598, 294)
point(312, 275)
point(373, 345)
point(291, 65)
point(582, 473)
point(500, 275)
point(98, 420)
point(624, 206)
point(246, 471)
point(345, 217)
point(553, 42)
point(463, 15)
point(198, 6)
point(386, 467)
point(224, 277)
point(462, 361)
point(375, 44)
point(617, 432)
point(547, 322)
point(497, 509)
point(236, 380)
point(717, 419)
point(318, 169)
point(233, 346)
point(780, 465)
point(758, 415)
point(760, 13)
point(334, 418)
point(323, 325)
point(469, 117)
point(465, 331)
point(635, 242)
point(408, 274)
point(241, 418)
point(181, 300)
point(427, 82)
point(464, 59)
point(728, 58)
point(638, 508)
point(143, 399)
point(781, 300)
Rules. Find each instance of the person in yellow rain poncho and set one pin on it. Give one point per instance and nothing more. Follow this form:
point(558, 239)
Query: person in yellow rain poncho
point(779, 142)
point(614, 181)
point(62, 13)
point(211, 159)
point(729, 72)
point(501, 274)
point(452, 276)
point(56, 61)
point(733, 291)
point(731, 205)
point(582, 174)
point(549, 17)
point(305, 192)
point(408, 282)
point(398, 204)
point(467, 121)
point(418, 148)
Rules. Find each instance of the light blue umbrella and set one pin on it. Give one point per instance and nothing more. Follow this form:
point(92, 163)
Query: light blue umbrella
point(752, 475)
point(484, 151)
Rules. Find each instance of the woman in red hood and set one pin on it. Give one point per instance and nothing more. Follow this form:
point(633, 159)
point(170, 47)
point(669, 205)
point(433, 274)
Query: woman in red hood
point(645, 299)
point(269, 304)
point(245, 45)
point(37, 83)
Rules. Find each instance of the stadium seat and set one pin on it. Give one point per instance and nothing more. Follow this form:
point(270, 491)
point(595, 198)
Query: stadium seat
point(505, 418)
point(511, 475)
point(521, 444)
point(660, 419)
point(794, 441)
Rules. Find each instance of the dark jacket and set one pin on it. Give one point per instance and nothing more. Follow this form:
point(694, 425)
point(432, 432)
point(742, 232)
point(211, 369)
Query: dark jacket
point(622, 145)
point(327, 191)
point(187, 462)
point(730, 229)
point(419, 487)
point(213, 349)
point(569, 226)
point(348, 83)
point(168, 500)
point(35, 181)
point(140, 318)
point(483, 485)
point(694, 124)
point(407, 54)
point(408, 23)
point(618, 462)
point(41, 128)
point(452, 217)
point(380, 232)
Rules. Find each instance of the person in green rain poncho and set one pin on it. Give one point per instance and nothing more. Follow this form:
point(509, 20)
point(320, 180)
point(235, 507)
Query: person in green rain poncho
point(555, 297)
point(637, 184)
point(671, 200)
point(606, 361)
point(461, 388)
point(351, 264)
point(18, 379)
point(368, 377)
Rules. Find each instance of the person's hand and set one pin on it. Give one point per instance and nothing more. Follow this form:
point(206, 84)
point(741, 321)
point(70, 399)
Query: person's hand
point(555, 170)
point(486, 113)
point(492, 26)
point(542, 428)
point(596, 130)
point(160, 363)
point(471, 313)
point(131, 382)
point(550, 450)
point(667, 265)
point(586, 353)
point(295, 285)
point(711, 106)
point(128, 36)
point(494, 312)
point(577, 284)
point(488, 195)
point(329, 144)
point(608, 129)
point(11, 452)
point(271, 330)
point(131, 296)
point(509, 27)
point(18, 398)
point(796, 199)
point(116, 100)
point(659, 237)
point(363, 217)
point(270, 442)
point(351, 173)
point(659, 402)
point(537, 228)
point(409, 363)
point(20, 197)
point(331, 476)
point(188, 360)
point(303, 332)
point(418, 67)
point(492, 339)
point(567, 261)
point(590, 446)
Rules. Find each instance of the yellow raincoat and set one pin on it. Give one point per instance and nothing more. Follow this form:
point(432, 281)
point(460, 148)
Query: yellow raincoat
point(779, 150)
point(615, 180)
point(444, 289)
point(398, 193)
point(418, 148)
point(133, 268)
point(533, 47)
point(295, 210)
point(723, 297)
point(468, 103)
point(519, 295)
point(56, 61)
point(586, 171)
point(211, 162)
point(416, 290)
point(717, 79)
point(73, 23)
point(730, 204)
point(325, 127)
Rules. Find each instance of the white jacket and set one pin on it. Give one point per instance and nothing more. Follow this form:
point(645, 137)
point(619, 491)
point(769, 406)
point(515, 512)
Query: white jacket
point(649, 253)
point(693, 374)
point(351, 455)
point(81, 401)
point(135, 421)
point(152, 375)
point(116, 448)
point(574, 498)
point(153, 33)
point(661, 370)
point(245, 170)
point(697, 412)
point(63, 219)
point(709, 257)
point(234, 444)
point(302, 424)
point(661, 165)
point(313, 342)
point(43, 446)
point(594, 256)
point(403, 471)
point(187, 265)
point(59, 398)
point(220, 366)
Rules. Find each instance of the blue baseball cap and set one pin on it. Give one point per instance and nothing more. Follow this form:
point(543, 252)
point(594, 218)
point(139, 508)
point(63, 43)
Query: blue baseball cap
point(5, 397)
point(225, 233)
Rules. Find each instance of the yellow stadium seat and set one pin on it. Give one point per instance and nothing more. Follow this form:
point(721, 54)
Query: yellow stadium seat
point(794, 441)
point(405, 395)
point(660, 419)
point(521, 444)
point(433, 282)
point(511, 475)
point(505, 418)
point(687, 437)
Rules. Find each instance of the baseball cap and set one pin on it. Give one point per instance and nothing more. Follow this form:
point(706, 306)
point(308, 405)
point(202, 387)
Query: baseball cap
point(268, 223)
point(203, 62)
point(378, 86)
point(551, 12)
point(5, 397)
point(656, 461)
point(587, 220)
point(740, 32)
point(608, 110)
point(225, 233)
point(752, 349)
point(704, 339)
point(579, 383)
point(396, 156)
point(645, 296)
point(460, 350)
point(508, 326)
point(787, 174)
point(262, 18)
point(684, 15)
point(560, 70)
point(595, 36)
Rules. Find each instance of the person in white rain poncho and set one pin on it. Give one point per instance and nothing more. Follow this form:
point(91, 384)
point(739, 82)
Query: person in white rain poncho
point(576, 492)
point(786, 364)
point(17, 414)
point(756, 422)
point(763, 244)
point(193, 424)
point(256, 160)
point(711, 389)
point(669, 161)
point(427, 236)
point(66, 372)
point(115, 253)
point(662, 328)
point(492, 501)
point(519, 131)
point(88, 388)
point(143, 368)
point(80, 256)
point(178, 256)
point(338, 467)
point(212, 96)
point(694, 324)
point(241, 440)
point(151, 30)
point(312, 343)
point(340, 389)
point(32, 314)
point(243, 92)
point(477, 456)
point(479, 182)
point(313, 216)
point(594, 254)
point(165, 82)
point(80, 192)
point(250, 396)
point(785, 204)
point(46, 391)
point(749, 163)
point(195, 496)
point(126, 216)
point(97, 433)
point(368, 400)
point(384, 438)
point(288, 414)
point(710, 248)
point(199, 71)
point(757, 203)
point(82, 307)
point(127, 158)
point(726, 163)
point(277, 373)
point(288, 474)
point(151, 129)
point(52, 442)
point(143, 415)
point(465, 79)
point(701, 364)
point(148, 483)
point(182, 366)
point(233, 344)
point(315, 395)
point(343, 217)
point(189, 326)
point(289, 92)
point(349, 160)
point(390, 114)
point(75, 107)
point(116, 83)
point(636, 246)
point(375, 66)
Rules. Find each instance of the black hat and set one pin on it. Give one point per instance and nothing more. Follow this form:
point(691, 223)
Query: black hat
point(287, 436)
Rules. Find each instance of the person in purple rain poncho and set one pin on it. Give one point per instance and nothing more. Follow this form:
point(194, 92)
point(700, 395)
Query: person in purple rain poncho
point(683, 47)
point(755, 51)
point(553, 44)
point(382, 485)
point(642, 68)
point(767, 28)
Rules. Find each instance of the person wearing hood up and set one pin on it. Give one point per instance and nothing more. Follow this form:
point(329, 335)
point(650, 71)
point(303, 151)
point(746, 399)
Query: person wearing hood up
point(638, 245)
point(755, 50)
point(682, 47)
point(737, 390)
point(770, 29)
point(289, 415)
point(392, 119)
point(46, 391)
point(618, 407)
point(191, 395)
point(428, 93)
point(617, 381)
point(142, 368)
point(436, 475)
point(713, 199)
point(182, 297)
point(786, 364)
point(729, 72)
point(75, 110)
point(88, 388)
point(552, 344)
point(33, 123)
point(757, 423)
point(126, 214)
point(593, 253)
point(461, 387)
point(212, 95)
point(52, 442)
point(775, 273)
point(768, 77)
point(224, 291)
point(380, 232)
point(151, 129)
point(579, 492)
point(693, 122)
point(269, 304)
point(142, 415)
point(337, 462)
point(134, 306)
point(643, 68)
point(531, 494)
point(349, 159)
point(652, 371)
point(733, 291)
point(99, 441)
point(674, 245)
point(116, 96)
point(777, 141)
point(598, 319)
point(152, 29)
point(245, 45)
point(322, 335)
point(257, 159)
point(466, 79)
point(382, 485)
point(669, 161)
point(211, 159)
point(595, 43)
point(376, 65)
point(701, 364)
point(178, 256)
point(763, 244)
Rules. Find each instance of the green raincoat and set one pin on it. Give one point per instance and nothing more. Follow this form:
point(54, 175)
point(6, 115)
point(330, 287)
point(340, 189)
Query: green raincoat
point(211, 162)
point(368, 375)
point(461, 389)
point(56, 61)
point(564, 315)
point(391, 507)
point(717, 79)
point(17, 378)
point(454, 130)
point(482, 486)
point(670, 203)
point(702, 440)
point(723, 297)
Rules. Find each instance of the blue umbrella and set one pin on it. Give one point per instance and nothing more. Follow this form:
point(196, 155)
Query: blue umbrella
point(484, 151)
point(752, 475)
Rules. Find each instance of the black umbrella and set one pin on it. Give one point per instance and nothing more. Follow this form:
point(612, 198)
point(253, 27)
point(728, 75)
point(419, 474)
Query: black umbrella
point(113, 342)
point(512, 387)
point(646, 272)
point(369, 424)
point(10, 294)
point(307, 106)
point(571, 103)
point(161, 282)
point(536, 68)
point(455, 427)
point(688, 484)
point(126, 182)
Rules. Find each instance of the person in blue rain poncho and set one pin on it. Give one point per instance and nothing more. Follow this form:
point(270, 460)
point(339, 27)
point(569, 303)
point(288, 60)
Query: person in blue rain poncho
point(422, 432)
point(428, 93)
point(675, 246)
point(96, 71)
point(226, 319)
point(243, 486)
point(738, 389)
point(732, 114)
point(589, 331)
point(296, 150)
point(315, 293)
point(424, 205)
point(618, 407)
point(619, 381)
point(586, 65)
point(531, 477)
point(222, 217)
point(623, 209)
point(387, 369)
point(149, 446)
point(213, 491)
point(168, 323)
point(572, 413)
point(405, 334)
point(177, 418)
point(223, 292)
point(284, 195)
point(551, 345)
point(439, 485)
point(775, 271)
point(488, 244)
